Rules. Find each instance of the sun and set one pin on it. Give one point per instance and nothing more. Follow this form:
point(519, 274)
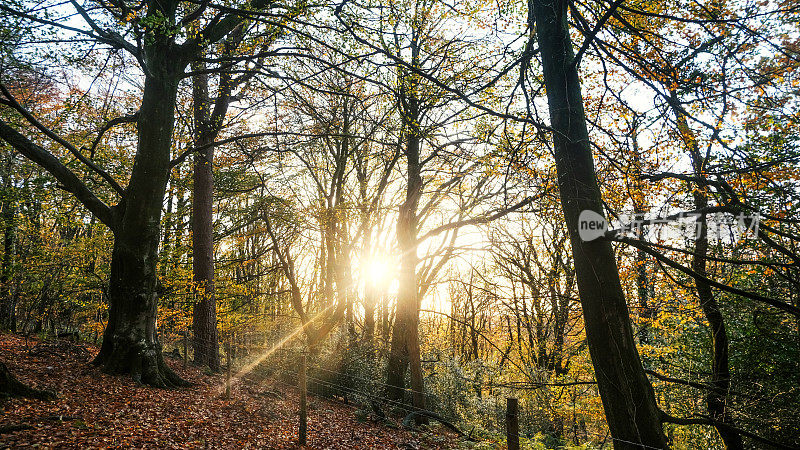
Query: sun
point(376, 271)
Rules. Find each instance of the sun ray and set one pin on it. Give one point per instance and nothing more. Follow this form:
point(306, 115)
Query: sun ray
point(267, 353)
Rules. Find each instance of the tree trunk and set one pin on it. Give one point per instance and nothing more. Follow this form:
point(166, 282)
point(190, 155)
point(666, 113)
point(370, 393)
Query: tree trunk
point(130, 342)
point(369, 316)
point(720, 370)
point(385, 325)
point(405, 349)
point(628, 400)
point(166, 241)
point(646, 313)
point(8, 308)
point(204, 317)
point(11, 387)
point(370, 285)
point(178, 220)
point(405, 336)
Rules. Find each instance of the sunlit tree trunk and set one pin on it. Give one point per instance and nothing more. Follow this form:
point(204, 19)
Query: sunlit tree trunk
point(405, 349)
point(204, 316)
point(385, 322)
point(370, 300)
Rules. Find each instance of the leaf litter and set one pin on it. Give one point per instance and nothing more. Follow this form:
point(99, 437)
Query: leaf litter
point(96, 410)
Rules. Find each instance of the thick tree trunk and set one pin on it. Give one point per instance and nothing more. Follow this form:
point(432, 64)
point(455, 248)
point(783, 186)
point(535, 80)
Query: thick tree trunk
point(405, 349)
point(628, 400)
point(398, 353)
point(204, 317)
point(130, 342)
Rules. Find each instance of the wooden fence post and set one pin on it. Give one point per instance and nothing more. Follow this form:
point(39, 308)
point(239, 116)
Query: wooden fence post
point(228, 374)
point(185, 347)
point(512, 423)
point(303, 414)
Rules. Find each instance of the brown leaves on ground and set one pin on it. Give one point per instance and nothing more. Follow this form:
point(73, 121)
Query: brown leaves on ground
point(95, 410)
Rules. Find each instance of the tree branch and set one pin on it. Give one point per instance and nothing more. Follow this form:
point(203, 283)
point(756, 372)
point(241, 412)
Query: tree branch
point(702, 420)
point(66, 177)
point(577, 60)
point(477, 220)
point(109, 125)
point(52, 135)
point(112, 38)
point(791, 309)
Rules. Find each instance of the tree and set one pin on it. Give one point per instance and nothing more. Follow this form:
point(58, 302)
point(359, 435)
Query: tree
point(209, 117)
point(8, 208)
point(684, 79)
point(628, 400)
point(130, 342)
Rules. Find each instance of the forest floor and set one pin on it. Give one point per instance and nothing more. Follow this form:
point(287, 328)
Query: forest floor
point(95, 410)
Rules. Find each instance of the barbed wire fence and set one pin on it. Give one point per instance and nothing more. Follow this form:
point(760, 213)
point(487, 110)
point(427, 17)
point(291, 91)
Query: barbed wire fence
point(509, 408)
point(239, 342)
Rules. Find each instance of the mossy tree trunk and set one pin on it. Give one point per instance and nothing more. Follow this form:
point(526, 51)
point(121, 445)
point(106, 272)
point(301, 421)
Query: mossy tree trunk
point(130, 343)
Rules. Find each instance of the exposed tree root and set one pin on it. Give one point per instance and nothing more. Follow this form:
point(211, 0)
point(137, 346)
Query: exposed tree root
point(145, 364)
point(409, 421)
point(11, 387)
point(14, 427)
point(377, 410)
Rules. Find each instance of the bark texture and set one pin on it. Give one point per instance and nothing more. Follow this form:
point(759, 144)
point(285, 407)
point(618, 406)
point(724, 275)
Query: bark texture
point(405, 349)
point(130, 343)
point(204, 317)
point(631, 411)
